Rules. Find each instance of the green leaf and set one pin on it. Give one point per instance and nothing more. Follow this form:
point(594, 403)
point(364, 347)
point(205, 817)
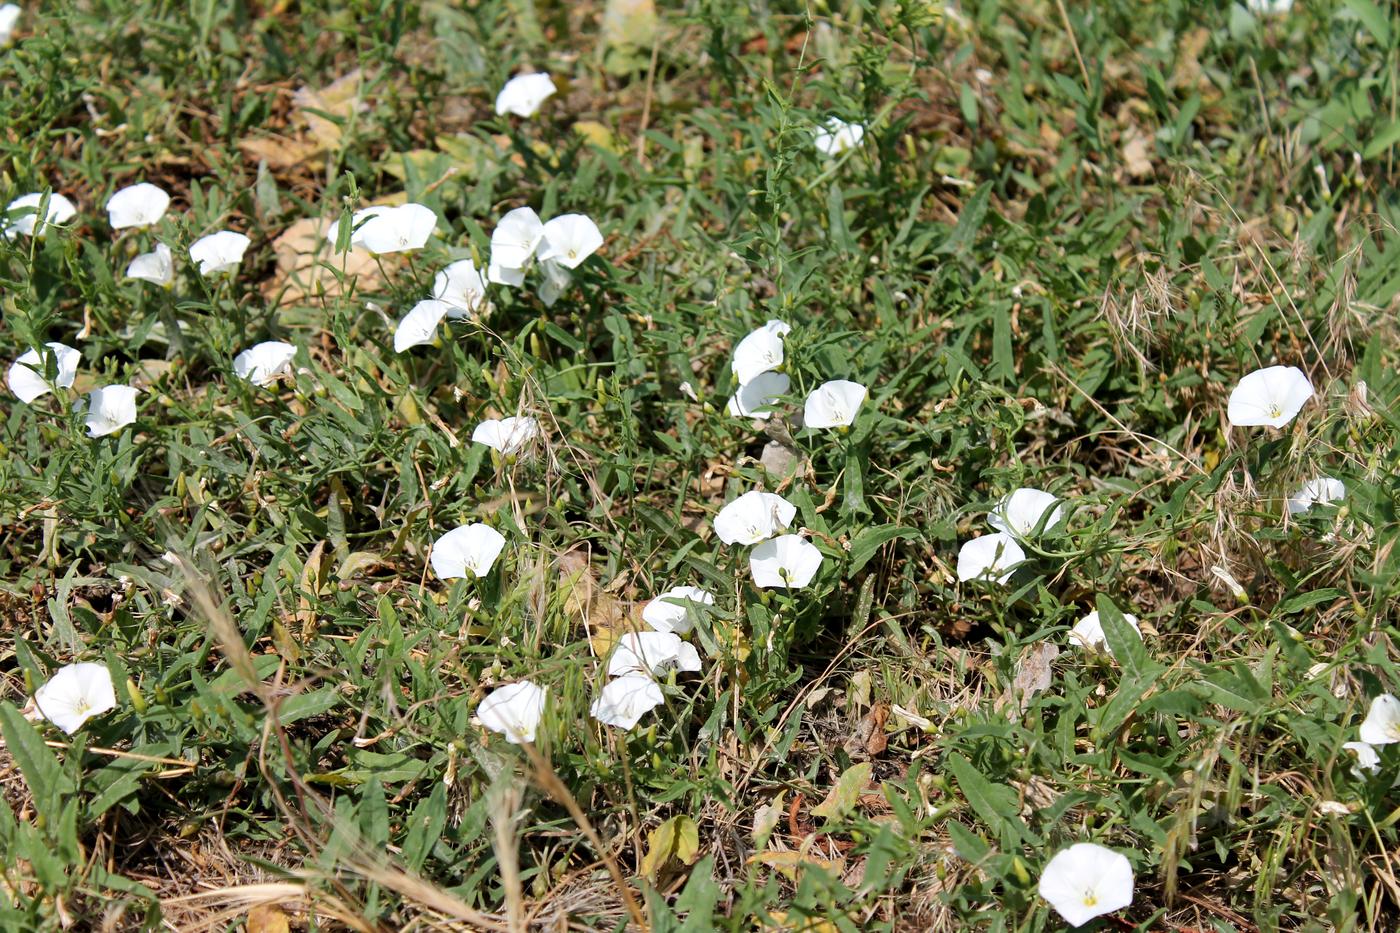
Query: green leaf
point(1125, 642)
point(48, 783)
point(995, 804)
point(868, 541)
point(1373, 18)
point(1309, 600)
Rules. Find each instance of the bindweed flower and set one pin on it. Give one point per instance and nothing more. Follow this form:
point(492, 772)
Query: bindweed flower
point(1087, 881)
point(569, 239)
point(419, 326)
point(675, 610)
point(137, 205)
point(785, 562)
point(157, 267)
point(625, 700)
point(467, 549)
point(219, 252)
point(756, 398)
point(513, 710)
point(833, 404)
point(514, 242)
point(262, 363)
point(9, 18)
point(759, 352)
point(26, 375)
point(1088, 631)
point(74, 694)
point(1367, 758)
point(396, 229)
point(23, 214)
point(461, 286)
point(109, 409)
point(556, 281)
point(508, 435)
point(1321, 491)
point(1271, 396)
point(498, 274)
point(1269, 7)
point(652, 653)
point(523, 94)
point(995, 556)
point(1382, 723)
point(837, 136)
point(1019, 513)
point(754, 516)
point(357, 225)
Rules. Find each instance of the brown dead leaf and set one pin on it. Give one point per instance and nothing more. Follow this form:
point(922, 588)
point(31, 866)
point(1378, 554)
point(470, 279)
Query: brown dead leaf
point(868, 738)
point(1032, 676)
point(280, 152)
point(305, 260)
point(267, 918)
point(603, 616)
point(318, 108)
point(1187, 74)
point(1136, 152)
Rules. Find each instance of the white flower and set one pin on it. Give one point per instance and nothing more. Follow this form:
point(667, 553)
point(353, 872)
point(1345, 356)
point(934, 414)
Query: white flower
point(357, 225)
point(1269, 7)
point(756, 398)
point(262, 363)
point(420, 324)
point(9, 18)
point(1020, 512)
point(837, 136)
point(652, 653)
point(23, 214)
point(1087, 881)
point(74, 694)
point(1321, 491)
point(625, 700)
point(523, 94)
point(759, 352)
point(396, 229)
point(754, 516)
point(833, 404)
point(137, 205)
point(1273, 396)
point(569, 239)
point(995, 556)
point(513, 710)
point(157, 266)
point(508, 435)
point(675, 609)
point(219, 252)
point(461, 286)
point(785, 562)
point(498, 274)
point(110, 409)
point(1382, 724)
point(26, 375)
point(514, 242)
point(1367, 758)
point(556, 280)
point(1088, 631)
point(468, 548)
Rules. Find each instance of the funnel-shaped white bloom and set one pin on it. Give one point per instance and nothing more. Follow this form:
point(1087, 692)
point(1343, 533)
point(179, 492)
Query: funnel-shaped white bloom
point(995, 556)
point(555, 282)
point(833, 404)
point(1087, 881)
point(1321, 491)
point(110, 409)
point(754, 516)
point(1088, 631)
point(837, 136)
point(23, 214)
point(652, 653)
point(462, 287)
point(784, 562)
point(1269, 7)
point(514, 711)
point(759, 352)
point(74, 694)
point(508, 435)
point(569, 239)
point(467, 549)
point(1019, 513)
point(626, 700)
point(515, 241)
point(1272, 396)
point(397, 229)
point(157, 266)
point(756, 398)
point(262, 363)
point(419, 326)
point(675, 609)
point(137, 206)
point(358, 221)
point(523, 94)
point(1367, 758)
point(26, 375)
point(498, 274)
point(219, 252)
point(1382, 723)
point(9, 18)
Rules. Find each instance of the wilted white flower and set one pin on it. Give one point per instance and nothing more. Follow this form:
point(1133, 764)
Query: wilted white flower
point(23, 214)
point(1367, 758)
point(1272, 396)
point(419, 326)
point(652, 653)
point(74, 694)
point(1088, 631)
point(569, 239)
point(1087, 881)
point(396, 229)
point(995, 556)
point(784, 562)
point(1382, 723)
point(110, 409)
point(756, 398)
point(759, 352)
point(461, 286)
point(513, 710)
point(219, 252)
point(157, 266)
point(754, 516)
point(625, 700)
point(9, 18)
point(507, 435)
point(514, 242)
point(837, 136)
point(262, 363)
point(523, 94)
point(467, 549)
point(1019, 513)
point(674, 610)
point(26, 375)
point(1321, 491)
point(833, 404)
point(137, 205)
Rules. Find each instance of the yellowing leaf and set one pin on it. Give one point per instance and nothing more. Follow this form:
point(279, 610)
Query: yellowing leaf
point(766, 817)
point(790, 864)
point(267, 918)
point(599, 135)
point(844, 796)
point(687, 840)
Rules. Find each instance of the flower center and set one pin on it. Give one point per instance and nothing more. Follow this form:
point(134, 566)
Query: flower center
point(1090, 898)
point(1275, 411)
